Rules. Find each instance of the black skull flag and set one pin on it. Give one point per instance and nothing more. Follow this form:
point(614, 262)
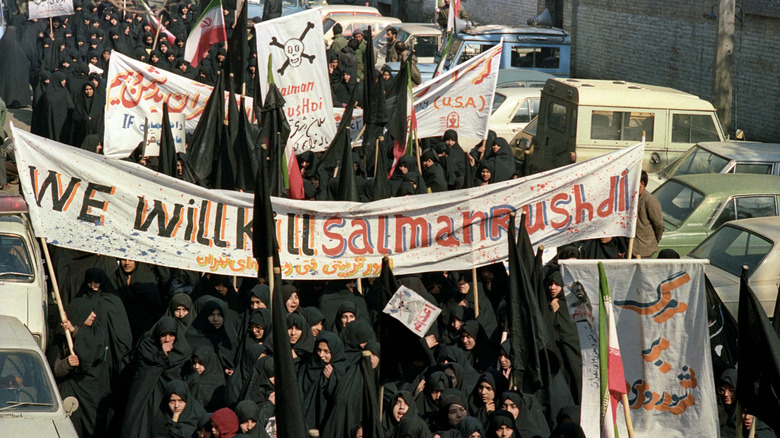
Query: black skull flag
point(300, 71)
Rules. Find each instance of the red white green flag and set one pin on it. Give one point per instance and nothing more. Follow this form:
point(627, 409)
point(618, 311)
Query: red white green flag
point(613, 380)
point(209, 29)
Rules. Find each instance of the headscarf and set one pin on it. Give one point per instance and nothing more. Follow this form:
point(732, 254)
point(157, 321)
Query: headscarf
point(182, 299)
point(226, 422)
point(187, 423)
point(209, 387)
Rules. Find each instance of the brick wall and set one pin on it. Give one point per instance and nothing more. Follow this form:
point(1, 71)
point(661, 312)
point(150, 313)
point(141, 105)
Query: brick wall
point(674, 46)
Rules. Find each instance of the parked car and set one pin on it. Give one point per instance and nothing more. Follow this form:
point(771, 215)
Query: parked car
point(255, 8)
point(696, 205)
point(355, 23)
point(424, 39)
point(30, 404)
point(522, 141)
point(328, 10)
point(722, 157)
point(521, 77)
point(754, 243)
point(23, 290)
point(513, 109)
point(580, 119)
point(545, 49)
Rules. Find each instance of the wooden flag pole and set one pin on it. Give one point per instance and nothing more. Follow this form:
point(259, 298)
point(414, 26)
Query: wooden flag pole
point(51, 29)
point(476, 291)
point(376, 153)
point(739, 413)
point(359, 285)
point(752, 433)
point(627, 412)
point(630, 248)
point(482, 154)
point(362, 130)
point(156, 35)
point(417, 152)
point(57, 295)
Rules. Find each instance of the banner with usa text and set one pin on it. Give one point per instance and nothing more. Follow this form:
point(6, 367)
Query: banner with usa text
point(93, 203)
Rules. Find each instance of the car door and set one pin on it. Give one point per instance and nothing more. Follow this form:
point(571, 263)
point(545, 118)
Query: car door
point(523, 113)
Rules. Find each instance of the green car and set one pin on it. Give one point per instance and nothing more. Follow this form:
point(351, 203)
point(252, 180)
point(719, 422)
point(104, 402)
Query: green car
point(695, 205)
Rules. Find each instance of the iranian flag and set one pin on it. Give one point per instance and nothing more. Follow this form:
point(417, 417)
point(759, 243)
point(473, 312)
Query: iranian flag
point(613, 380)
point(454, 8)
point(209, 29)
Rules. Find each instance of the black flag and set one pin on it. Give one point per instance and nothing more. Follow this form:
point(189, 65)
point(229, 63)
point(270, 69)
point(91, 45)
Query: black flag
point(371, 426)
point(264, 244)
point(758, 371)
point(167, 161)
point(723, 331)
point(238, 50)
point(208, 133)
point(274, 132)
point(243, 150)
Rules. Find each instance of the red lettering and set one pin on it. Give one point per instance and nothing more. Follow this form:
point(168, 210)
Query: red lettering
point(337, 250)
point(473, 218)
point(562, 198)
point(361, 231)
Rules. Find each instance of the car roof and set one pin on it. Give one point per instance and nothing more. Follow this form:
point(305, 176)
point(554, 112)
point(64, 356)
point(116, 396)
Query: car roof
point(419, 28)
point(12, 223)
point(731, 183)
point(522, 75)
point(521, 92)
point(744, 150)
point(13, 334)
point(348, 9)
point(349, 18)
point(626, 94)
point(768, 227)
point(499, 30)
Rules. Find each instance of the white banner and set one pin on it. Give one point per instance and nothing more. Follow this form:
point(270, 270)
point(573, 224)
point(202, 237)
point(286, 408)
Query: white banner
point(49, 8)
point(93, 203)
point(136, 90)
point(412, 310)
point(300, 70)
point(460, 99)
point(661, 316)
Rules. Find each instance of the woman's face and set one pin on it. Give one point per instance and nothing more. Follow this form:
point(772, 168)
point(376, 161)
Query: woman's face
point(455, 414)
point(504, 431)
point(255, 303)
point(89, 91)
point(176, 404)
point(386, 75)
point(486, 392)
point(323, 351)
point(505, 361)
point(293, 302)
point(468, 341)
point(257, 331)
point(222, 289)
point(511, 407)
point(216, 319)
point(316, 329)
point(90, 319)
point(181, 312)
point(346, 318)
point(399, 409)
point(554, 290)
point(295, 334)
point(485, 174)
point(197, 366)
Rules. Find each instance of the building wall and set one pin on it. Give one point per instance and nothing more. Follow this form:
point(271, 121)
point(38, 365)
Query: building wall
point(673, 44)
point(506, 12)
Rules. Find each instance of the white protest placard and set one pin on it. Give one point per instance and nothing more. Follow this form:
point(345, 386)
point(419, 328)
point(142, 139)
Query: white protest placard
point(154, 137)
point(136, 90)
point(49, 8)
point(460, 99)
point(412, 310)
point(300, 70)
point(80, 200)
point(662, 327)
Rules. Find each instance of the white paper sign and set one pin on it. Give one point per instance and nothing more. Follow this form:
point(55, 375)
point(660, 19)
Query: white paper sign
point(49, 8)
point(300, 70)
point(412, 310)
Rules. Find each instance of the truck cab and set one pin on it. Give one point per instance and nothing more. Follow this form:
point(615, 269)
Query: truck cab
point(580, 119)
point(23, 290)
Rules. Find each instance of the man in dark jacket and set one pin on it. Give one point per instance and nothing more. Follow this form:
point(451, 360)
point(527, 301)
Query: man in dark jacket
point(272, 9)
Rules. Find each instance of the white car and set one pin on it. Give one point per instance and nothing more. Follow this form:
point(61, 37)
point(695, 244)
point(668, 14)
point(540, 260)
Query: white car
point(424, 39)
point(23, 290)
point(513, 109)
point(30, 404)
point(754, 243)
point(328, 10)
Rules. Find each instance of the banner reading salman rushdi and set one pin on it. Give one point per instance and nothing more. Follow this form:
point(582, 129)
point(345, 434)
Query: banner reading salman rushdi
point(93, 203)
point(660, 311)
point(136, 92)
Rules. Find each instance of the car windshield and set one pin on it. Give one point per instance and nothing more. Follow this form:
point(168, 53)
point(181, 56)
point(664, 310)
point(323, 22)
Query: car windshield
point(530, 128)
point(498, 99)
point(25, 385)
point(697, 160)
point(15, 261)
point(328, 24)
point(678, 201)
point(729, 248)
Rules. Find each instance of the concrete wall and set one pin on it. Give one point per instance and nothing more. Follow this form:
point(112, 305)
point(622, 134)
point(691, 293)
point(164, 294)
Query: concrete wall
point(673, 44)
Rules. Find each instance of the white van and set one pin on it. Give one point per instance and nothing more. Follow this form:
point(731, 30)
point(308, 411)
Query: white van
point(580, 119)
point(23, 290)
point(30, 404)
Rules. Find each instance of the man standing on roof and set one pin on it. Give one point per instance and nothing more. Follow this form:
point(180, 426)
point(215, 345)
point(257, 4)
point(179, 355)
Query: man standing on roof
point(444, 13)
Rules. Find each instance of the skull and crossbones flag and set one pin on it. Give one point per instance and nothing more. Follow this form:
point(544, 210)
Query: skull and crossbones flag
point(300, 70)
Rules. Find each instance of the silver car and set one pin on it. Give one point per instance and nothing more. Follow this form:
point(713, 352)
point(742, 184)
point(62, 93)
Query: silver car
point(754, 243)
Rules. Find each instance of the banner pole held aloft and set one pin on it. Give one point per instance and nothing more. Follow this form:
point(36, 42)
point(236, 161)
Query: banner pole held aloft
point(57, 295)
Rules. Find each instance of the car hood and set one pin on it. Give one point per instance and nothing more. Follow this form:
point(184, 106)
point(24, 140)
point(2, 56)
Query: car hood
point(13, 301)
point(18, 424)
